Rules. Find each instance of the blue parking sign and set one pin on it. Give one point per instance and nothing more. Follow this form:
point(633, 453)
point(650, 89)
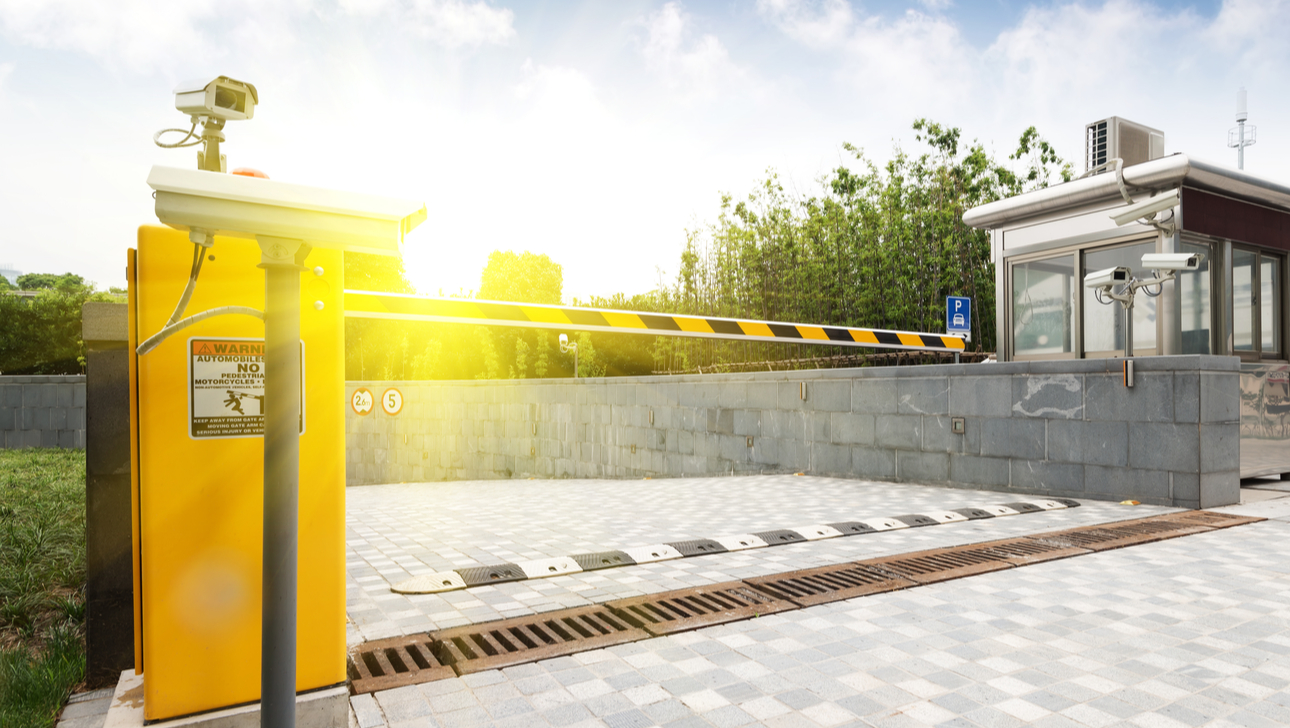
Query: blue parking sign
point(958, 315)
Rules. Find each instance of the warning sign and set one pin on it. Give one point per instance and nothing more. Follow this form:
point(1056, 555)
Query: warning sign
point(226, 388)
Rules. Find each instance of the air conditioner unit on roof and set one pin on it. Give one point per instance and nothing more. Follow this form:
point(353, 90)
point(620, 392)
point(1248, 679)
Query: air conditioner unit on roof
point(1115, 137)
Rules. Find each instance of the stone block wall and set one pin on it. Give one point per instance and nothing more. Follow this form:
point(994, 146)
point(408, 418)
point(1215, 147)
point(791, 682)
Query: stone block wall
point(42, 411)
point(1062, 428)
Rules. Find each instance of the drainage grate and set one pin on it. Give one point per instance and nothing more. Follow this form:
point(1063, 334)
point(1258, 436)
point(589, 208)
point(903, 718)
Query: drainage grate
point(702, 606)
point(929, 567)
point(1104, 538)
point(1210, 518)
point(1023, 551)
point(480, 647)
point(393, 663)
point(463, 650)
point(828, 584)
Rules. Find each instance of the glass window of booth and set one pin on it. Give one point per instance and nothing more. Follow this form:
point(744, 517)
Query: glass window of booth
point(1257, 292)
point(1104, 325)
point(1194, 302)
point(1043, 306)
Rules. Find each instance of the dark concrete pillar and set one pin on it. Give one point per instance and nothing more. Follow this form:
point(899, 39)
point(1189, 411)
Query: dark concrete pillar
point(109, 585)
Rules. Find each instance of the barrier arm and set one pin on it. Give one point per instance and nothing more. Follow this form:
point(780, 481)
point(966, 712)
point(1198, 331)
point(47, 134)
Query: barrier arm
point(405, 307)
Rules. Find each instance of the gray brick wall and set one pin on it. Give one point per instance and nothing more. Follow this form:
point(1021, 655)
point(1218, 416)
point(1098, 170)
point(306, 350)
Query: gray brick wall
point(42, 411)
point(1062, 428)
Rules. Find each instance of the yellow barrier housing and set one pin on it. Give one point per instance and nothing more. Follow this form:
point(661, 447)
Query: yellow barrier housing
point(199, 500)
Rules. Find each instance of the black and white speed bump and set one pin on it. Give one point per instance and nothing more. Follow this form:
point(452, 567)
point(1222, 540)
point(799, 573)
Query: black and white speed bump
point(444, 581)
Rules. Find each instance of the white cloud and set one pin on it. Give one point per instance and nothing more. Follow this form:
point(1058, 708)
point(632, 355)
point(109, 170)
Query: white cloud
point(914, 57)
point(133, 33)
point(819, 25)
point(148, 35)
point(453, 23)
point(701, 66)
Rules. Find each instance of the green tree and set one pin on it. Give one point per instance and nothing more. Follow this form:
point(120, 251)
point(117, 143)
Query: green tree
point(46, 281)
point(374, 348)
point(42, 334)
point(523, 278)
point(874, 246)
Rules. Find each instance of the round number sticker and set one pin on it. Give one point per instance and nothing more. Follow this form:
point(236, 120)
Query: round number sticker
point(392, 401)
point(361, 401)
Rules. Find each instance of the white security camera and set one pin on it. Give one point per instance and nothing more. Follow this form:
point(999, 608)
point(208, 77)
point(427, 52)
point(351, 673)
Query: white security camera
point(1108, 278)
point(1146, 208)
point(1172, 261)
point(219, 98)
point(248, 207)
point(564, 340)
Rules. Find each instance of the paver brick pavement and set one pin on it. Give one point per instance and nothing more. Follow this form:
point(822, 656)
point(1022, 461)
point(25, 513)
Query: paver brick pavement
point(1186, 632)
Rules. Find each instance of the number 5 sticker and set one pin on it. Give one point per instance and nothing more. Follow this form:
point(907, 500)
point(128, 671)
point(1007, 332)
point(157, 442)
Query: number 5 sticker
point(392, 401)
point(361, 401)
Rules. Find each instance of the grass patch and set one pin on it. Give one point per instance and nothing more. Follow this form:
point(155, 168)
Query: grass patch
point(42, 583)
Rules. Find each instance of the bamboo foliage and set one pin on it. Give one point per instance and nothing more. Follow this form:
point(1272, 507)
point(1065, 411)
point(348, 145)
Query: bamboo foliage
point(874, 246)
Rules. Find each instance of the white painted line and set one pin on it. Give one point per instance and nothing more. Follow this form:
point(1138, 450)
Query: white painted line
point(657, 552)
point(741, 541)
point(945, 516)
point(440, 581)
point(540, 568)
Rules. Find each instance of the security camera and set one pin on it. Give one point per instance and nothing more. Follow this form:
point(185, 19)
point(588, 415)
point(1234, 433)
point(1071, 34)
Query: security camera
point(564, 340)
point(1107, 278)
point(1172, 261)
point(1146, 208)
point(219, 98)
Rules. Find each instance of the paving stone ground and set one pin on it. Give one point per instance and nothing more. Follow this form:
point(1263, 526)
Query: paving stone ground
point(1187, 632)
point(404, 530)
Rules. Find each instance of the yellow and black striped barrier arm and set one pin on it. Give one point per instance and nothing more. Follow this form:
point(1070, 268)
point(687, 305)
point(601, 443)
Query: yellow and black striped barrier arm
point(367, 304)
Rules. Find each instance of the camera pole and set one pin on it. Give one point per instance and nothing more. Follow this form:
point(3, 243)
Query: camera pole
point(282, 262)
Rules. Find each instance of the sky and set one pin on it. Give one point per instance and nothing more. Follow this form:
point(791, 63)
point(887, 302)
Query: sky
point(597, 133)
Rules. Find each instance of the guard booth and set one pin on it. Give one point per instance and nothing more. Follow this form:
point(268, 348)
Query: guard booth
point(1044, 242)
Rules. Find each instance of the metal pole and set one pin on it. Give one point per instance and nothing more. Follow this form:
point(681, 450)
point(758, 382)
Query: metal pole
point(1240, 144)
point(281, 481)
point(1128, 331)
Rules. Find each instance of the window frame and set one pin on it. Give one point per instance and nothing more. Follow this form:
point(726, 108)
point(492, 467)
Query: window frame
point(1256, 313)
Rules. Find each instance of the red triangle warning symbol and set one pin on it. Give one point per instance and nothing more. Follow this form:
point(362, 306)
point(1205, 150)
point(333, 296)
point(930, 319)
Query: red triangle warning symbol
point(203, 349)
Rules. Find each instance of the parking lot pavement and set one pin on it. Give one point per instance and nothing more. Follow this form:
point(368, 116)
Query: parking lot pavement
point(404, 530)
point(1187, 632)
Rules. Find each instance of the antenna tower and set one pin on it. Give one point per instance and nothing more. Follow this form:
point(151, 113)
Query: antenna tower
point(1242, 136)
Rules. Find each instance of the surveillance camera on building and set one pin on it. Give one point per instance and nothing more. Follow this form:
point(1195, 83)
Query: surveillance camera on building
point(1172, 261)
point(564, 340)
point(219, 98)
point(1146, 208)
point(1108, 278)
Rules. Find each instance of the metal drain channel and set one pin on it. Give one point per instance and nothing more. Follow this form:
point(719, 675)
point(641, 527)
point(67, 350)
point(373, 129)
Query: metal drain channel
point(414, 659)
